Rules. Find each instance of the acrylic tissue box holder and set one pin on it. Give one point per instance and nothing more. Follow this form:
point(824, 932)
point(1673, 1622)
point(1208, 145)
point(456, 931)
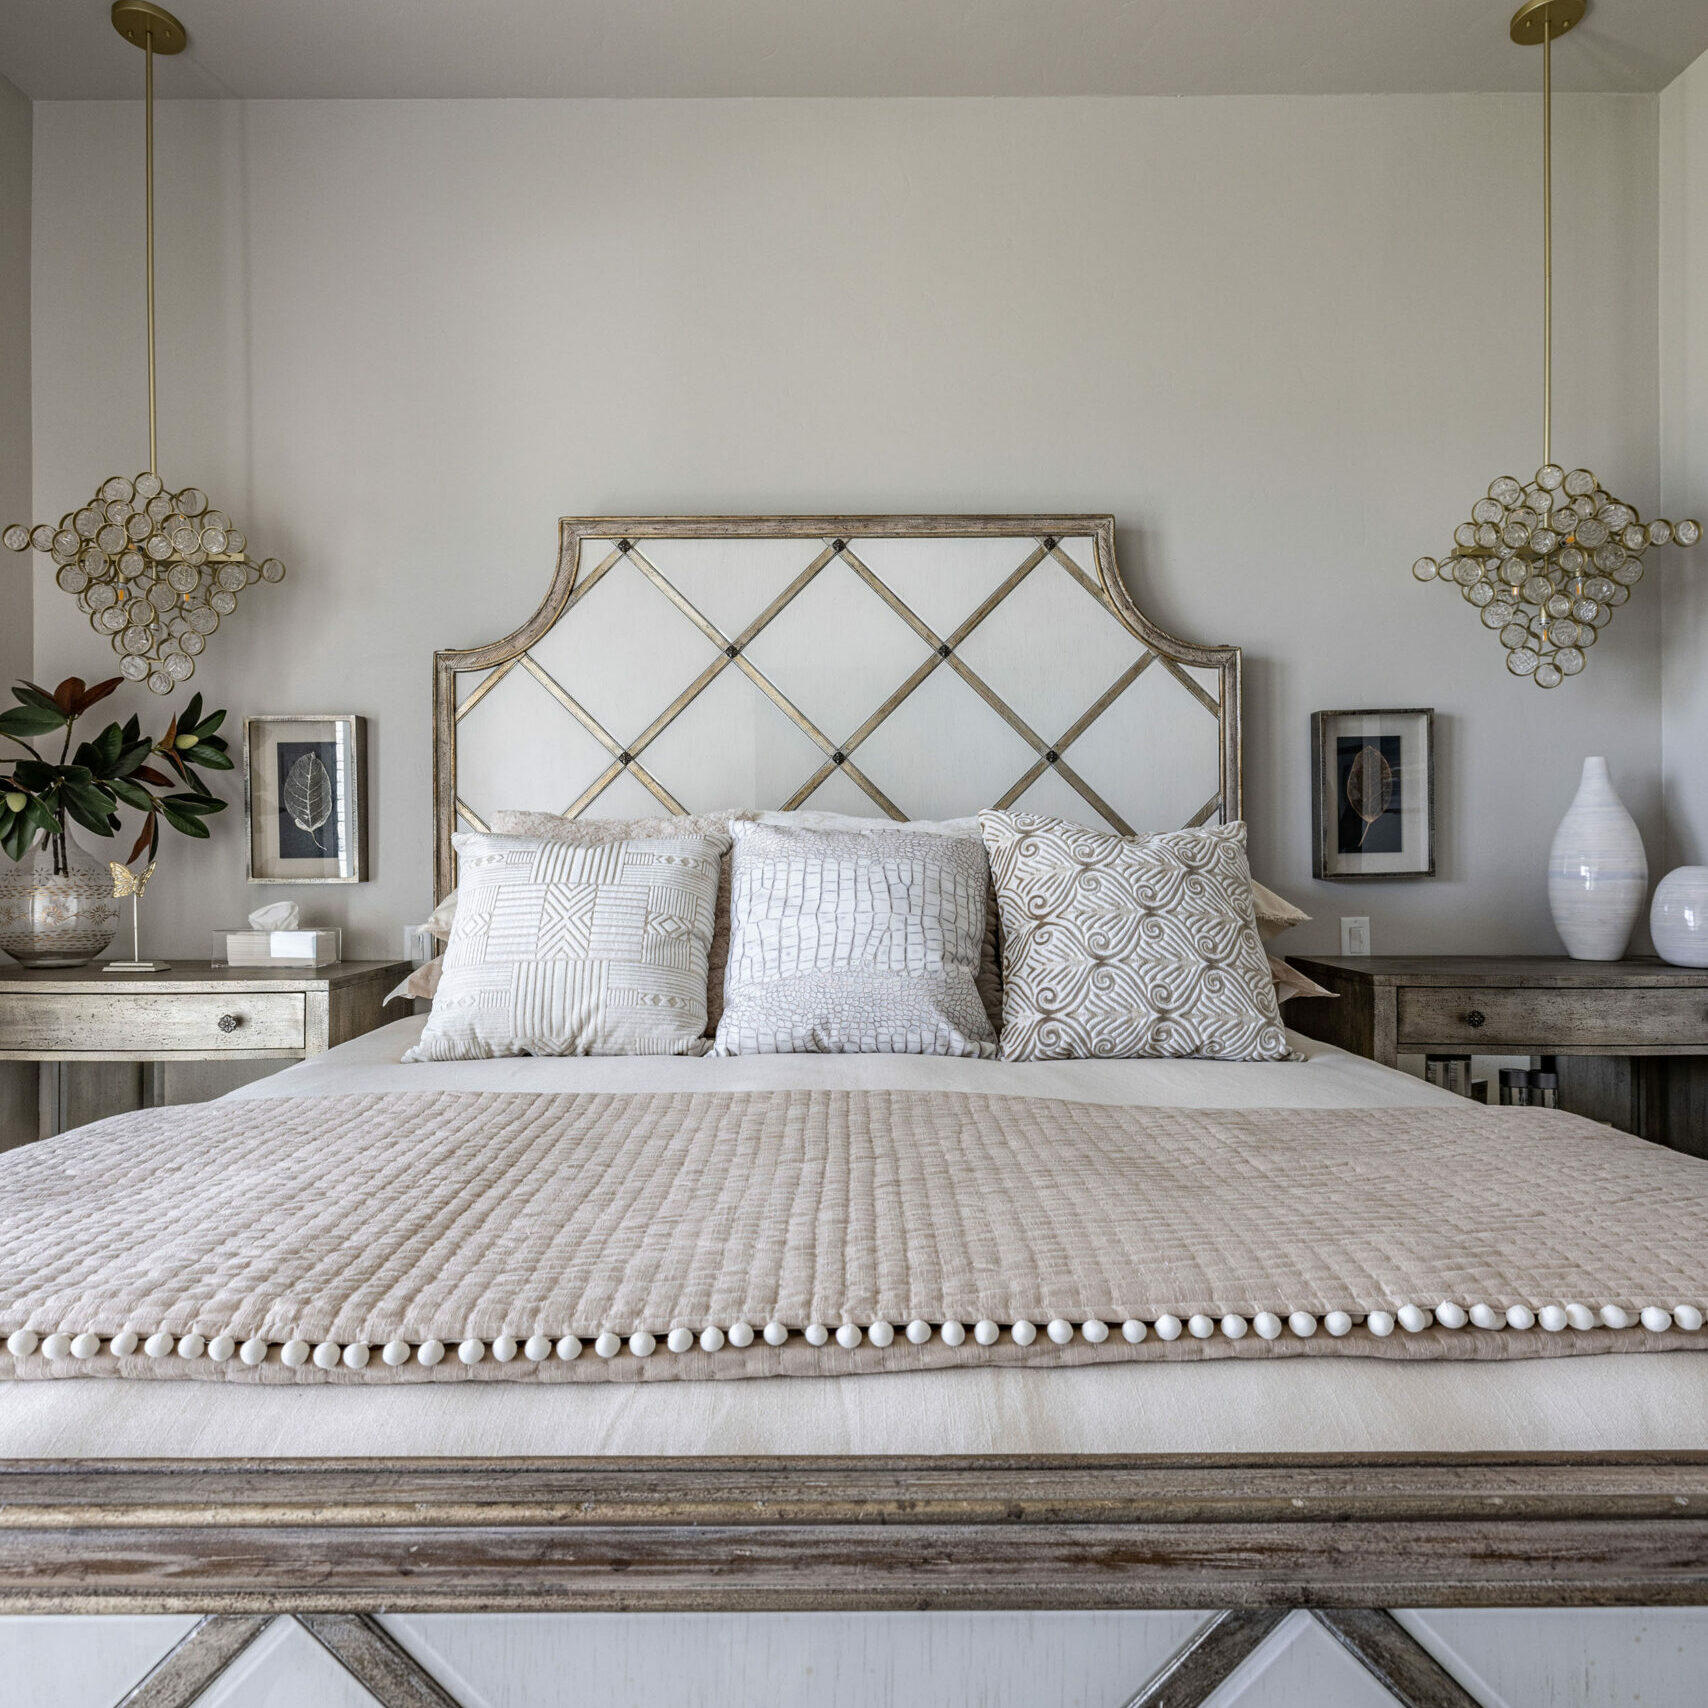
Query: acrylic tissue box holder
point(243, 946)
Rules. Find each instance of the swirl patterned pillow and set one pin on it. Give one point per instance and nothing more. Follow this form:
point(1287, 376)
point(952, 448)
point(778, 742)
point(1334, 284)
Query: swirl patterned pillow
point(576, 949)
point(854, 942)
point(1129, 945)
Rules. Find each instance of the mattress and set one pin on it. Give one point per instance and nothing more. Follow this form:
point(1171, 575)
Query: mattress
point(1295, 1405)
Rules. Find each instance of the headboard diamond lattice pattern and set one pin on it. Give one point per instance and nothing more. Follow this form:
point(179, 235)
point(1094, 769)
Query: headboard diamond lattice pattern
point(908, 666)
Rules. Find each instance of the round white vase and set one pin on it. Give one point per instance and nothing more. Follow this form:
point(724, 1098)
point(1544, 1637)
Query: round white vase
point(1678, 917)
point(1598, 873)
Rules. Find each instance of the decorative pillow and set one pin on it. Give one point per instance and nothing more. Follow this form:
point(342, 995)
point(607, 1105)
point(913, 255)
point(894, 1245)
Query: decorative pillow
point(423, 982)
point(1275, 914)
point(586, 830)
point(989, 980)
point(1290, 982)
point(576, 949)
point(854, 941)
point(1129, 945)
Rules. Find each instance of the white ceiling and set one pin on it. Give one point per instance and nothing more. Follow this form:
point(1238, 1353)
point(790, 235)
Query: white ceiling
point(68, 50)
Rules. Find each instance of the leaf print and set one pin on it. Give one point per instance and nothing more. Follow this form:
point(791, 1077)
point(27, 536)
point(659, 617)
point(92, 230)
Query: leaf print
point(307, 794)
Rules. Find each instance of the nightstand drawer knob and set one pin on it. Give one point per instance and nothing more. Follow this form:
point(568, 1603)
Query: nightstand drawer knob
point(230, 1022)
point(1475, 1018)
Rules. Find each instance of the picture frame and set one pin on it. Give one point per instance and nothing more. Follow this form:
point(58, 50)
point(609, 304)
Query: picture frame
point(1373, 794)
point(305, 787)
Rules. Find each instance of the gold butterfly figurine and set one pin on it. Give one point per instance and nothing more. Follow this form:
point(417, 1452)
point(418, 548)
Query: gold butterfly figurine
point(129, 883)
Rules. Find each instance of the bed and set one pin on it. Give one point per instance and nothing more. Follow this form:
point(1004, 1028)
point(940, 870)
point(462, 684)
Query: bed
point(886, 665)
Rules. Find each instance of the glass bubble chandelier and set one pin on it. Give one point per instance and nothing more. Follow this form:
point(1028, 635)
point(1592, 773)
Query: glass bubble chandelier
point(154, 569)
point(1546, 564)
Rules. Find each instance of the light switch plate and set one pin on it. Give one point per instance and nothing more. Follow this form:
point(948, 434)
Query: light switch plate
point(1355, 935)
point(417, 944)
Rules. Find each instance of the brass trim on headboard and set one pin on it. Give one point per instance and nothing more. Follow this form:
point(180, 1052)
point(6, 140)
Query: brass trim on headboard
point(572, 530)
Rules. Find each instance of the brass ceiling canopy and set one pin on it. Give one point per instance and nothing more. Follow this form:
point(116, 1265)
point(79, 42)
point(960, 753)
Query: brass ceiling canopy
point(1546, 563)
point(153, 570)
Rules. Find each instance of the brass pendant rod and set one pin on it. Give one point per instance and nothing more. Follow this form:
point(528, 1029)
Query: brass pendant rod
point(1547, 244)
point(148, 204)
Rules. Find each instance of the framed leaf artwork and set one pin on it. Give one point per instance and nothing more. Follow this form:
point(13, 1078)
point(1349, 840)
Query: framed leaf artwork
point(1373, 794)
point(304, 797)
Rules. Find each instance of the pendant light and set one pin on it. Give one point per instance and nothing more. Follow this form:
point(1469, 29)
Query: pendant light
point(1546, 564)
point(154, 569)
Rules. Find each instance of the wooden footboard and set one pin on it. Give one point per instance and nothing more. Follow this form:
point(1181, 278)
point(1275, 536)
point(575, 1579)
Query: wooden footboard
point(1223, 1531)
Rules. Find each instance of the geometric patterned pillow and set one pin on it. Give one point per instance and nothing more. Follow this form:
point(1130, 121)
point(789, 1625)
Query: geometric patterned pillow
point(1124, 946)
point(566, 949)
point(856, 942)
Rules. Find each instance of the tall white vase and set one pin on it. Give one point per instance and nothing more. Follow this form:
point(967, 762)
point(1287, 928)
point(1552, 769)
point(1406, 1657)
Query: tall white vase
point(1598, 873)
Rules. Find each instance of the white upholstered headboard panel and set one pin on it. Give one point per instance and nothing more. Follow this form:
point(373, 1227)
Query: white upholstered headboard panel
point(914, 666)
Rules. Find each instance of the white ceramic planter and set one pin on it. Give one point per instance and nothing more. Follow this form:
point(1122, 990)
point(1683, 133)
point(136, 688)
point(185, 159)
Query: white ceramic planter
point(1678, 917)
point(1598, 873)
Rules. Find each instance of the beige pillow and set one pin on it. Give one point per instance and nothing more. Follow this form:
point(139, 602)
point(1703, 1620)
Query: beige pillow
point(1290, 982)
point(576, 949)
point(561, 829)
point(1118, 946)
point(1274, 914)
point(421, 983)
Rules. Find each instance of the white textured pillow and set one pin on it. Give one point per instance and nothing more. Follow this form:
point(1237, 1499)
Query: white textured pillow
point(854, 941)
point(571, 949)
point(1129, 945)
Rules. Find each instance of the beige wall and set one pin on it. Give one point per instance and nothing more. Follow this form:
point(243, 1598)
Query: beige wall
point(1286, 340)
point(15, 572)
point(1684, 456)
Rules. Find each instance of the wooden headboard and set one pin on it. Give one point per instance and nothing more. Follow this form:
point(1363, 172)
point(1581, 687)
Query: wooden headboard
point(909, 666)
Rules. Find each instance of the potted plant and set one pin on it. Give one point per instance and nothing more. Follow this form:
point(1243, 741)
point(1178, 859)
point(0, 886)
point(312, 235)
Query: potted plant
point(57, 907)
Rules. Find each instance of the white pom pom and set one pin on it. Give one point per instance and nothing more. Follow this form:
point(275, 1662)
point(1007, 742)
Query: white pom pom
point(471, 1351)
point(158, 1344)
point(504, 1348)
point(711, 1338)
point(1520, 1317)
point(253, 1351)
point(1095, 1330)
point(537, 1348)
point(817, 1334)
point(918, 1332)
point(1023, 1333)
point(1615, 1316)
point(327, 1355)
point(1687, 1317)
point(1414, 1319)
point(1060, 1330)
point(192, 1346)
point(953, 1334)
point(57, 1346)
point(680, 1340)
point(985, 1332)
point(296, 1353)
point(22, 1342)
point(775, 1334)
point(1654, 1319)
point(1580, 1316)
point(1133, 1331)
point(608, 1344)
point(568, 1348)
point(642, 1344)
point(880, 1333)
point(1450, 1315)
point(430, 1352)
point(1483, 1317)
point(1267, 1324)
point(356, 1355)
point(126, 1341)
point(1552, 1318)
point(741, 1334)
point(1167, 1327)
point(1303, 1324)
point(1338, 1323)
point(1380, 1324)
point(848, 1336)
point(1199, 1326)
point(87, 1345)
point(1234, 1326)
point(395, 1352)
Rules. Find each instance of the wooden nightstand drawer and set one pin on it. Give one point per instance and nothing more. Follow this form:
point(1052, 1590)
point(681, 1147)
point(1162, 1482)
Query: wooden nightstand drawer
point(1490, 1018)
point(141, 1023)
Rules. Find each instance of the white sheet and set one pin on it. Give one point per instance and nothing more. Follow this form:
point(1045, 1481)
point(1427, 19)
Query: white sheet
point(1614, 1402)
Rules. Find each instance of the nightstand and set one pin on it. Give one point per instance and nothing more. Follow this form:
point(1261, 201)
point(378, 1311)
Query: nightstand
point(1630, 1036)
point(123, 1032)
